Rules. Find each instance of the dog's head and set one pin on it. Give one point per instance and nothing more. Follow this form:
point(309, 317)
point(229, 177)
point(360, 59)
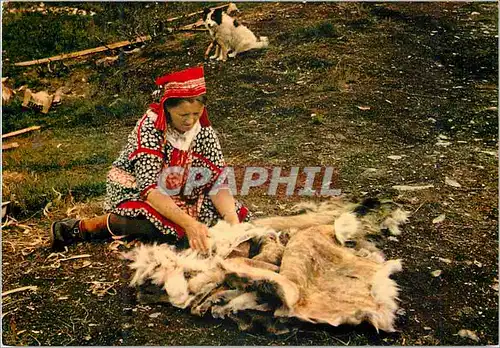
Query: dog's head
point(206, 12)
point(212, 18)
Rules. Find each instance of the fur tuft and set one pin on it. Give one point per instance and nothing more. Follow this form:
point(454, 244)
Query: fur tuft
point(264, 41)
point(346, 227)
point(392, 222)
point(177, 288)
point(385, 292)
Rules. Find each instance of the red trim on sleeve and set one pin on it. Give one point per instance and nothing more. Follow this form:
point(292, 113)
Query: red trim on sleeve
point(133, 205)
point(157, 153)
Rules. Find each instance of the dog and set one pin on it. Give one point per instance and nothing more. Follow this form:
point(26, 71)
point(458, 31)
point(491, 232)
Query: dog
point(230, 9)
point(230, 35)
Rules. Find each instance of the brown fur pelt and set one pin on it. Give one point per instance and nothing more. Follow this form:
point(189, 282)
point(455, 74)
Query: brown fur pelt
point(250, 275)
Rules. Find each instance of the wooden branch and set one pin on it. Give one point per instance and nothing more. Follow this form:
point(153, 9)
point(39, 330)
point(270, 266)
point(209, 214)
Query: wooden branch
point(76, 257)
point(85, 52)
point(194, 26)
point(24, 288)
point(191, 29)
point(10, 146)
point(21, 131)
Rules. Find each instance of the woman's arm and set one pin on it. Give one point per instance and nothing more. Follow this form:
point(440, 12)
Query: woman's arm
point(197, 233)
point(224, 203)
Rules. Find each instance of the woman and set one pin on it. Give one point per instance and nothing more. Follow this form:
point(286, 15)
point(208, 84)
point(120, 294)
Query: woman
point(147, 195)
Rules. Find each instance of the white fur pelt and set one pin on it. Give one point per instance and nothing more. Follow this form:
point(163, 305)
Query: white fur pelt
point(227, 286)
point(184, 274)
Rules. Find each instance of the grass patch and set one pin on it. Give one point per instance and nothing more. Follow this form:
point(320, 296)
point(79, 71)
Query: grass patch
point(93, 113)
point(72, 162)
point(324, 30)
point(32, 193)
point(339, 78)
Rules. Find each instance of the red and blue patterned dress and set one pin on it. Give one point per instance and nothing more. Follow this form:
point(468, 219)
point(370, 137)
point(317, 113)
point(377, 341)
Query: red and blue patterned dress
point(142, 166)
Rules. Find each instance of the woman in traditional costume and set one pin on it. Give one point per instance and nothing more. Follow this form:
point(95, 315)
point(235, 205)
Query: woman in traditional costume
point(165, 185)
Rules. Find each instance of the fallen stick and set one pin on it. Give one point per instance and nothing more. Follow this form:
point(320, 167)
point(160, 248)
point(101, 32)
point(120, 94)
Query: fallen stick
point(191, 29)
point(9, 146)
point(107, 47)
point(76, 257)
point(24, 288)
point(85, 52)
point(21, 131)
point(411, 188)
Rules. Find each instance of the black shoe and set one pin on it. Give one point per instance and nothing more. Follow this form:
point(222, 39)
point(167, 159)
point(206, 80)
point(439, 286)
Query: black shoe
point(64, 232)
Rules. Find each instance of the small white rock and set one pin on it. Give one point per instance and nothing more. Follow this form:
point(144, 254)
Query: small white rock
point(468, 334)
point(443, 143)
point(394, 157)
point(436, 273)
point(439, 219)
point(448, 261)
point(451, 182)
point(155, 315)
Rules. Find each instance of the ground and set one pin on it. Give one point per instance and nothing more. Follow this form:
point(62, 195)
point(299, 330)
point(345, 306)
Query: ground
point(413, 80)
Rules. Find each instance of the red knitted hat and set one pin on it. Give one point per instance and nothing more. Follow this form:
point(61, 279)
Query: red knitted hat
point(188, 83)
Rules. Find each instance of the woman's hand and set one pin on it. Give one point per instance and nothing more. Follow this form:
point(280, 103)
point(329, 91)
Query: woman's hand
point(197, 235)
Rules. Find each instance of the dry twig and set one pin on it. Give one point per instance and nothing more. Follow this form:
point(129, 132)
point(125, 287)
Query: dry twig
point(24, 288)
point(20, 131)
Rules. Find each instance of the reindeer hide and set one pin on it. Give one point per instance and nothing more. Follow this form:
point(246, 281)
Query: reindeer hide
point(314, 277)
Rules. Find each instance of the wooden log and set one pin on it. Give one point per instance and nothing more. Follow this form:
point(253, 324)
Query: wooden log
point(20, 131)
point(9, 146)
point(85, 52)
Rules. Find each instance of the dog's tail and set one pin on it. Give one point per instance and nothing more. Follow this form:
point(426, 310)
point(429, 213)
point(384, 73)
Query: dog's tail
point(263, 42)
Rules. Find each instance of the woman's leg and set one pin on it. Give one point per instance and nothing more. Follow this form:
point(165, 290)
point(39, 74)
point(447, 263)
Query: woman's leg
point(69, 231)
point(137, 228)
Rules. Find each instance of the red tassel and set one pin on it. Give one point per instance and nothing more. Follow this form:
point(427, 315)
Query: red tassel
point(161, 122)
point(204, 121)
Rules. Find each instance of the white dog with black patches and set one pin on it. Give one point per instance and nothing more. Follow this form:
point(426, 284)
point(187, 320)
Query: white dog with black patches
point(230, 35)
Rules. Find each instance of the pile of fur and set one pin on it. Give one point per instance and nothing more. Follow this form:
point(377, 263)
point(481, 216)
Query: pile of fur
point(317, 266)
